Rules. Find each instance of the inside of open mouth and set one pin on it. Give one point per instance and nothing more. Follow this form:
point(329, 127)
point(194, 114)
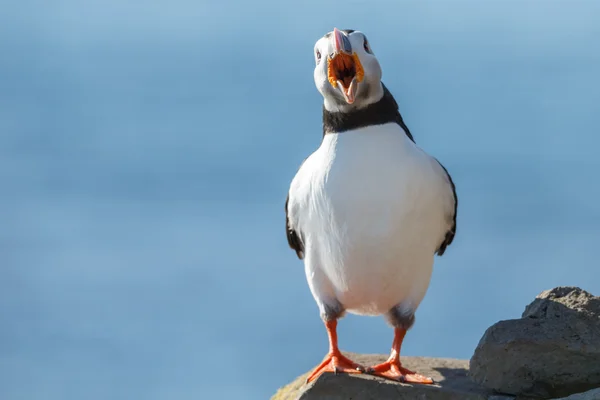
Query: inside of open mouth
point(344, 68)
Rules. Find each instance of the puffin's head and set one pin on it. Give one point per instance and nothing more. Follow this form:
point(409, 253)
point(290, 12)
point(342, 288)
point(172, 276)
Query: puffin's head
point(347, 72)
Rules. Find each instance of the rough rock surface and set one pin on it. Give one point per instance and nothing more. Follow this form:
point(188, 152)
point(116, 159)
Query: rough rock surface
point(552, 351)
point(589, 395)
point(450, 376)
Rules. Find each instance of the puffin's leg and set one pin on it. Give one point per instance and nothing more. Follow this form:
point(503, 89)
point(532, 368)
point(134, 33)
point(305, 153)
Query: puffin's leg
point(334, 361)
point(392, 368)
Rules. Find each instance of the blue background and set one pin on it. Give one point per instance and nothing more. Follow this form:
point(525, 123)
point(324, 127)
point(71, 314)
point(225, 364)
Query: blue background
point(146, 149)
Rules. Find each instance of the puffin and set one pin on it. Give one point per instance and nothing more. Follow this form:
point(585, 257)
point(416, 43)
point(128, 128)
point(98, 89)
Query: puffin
point(368, 210)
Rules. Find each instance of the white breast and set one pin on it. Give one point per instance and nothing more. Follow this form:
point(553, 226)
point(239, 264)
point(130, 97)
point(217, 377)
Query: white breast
point(372, 208)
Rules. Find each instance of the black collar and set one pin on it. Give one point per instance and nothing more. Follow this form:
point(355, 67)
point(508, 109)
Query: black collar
point(382, 112)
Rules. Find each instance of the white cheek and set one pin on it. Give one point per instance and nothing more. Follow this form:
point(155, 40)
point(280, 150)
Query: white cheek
point(372, 68)
point(320, 76)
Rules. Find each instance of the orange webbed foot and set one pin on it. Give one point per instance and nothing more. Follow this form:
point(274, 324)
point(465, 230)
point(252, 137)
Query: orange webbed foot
point(335, 362)
point(392, 369)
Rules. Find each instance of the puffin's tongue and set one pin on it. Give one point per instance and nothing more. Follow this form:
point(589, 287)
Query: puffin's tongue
point(347, 80)
point(349, 92)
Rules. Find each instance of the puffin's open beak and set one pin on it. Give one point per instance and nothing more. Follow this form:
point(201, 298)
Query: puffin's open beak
point(344, 69)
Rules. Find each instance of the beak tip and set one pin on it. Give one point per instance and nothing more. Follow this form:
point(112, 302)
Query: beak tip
point(337, 39)
point(341, 41)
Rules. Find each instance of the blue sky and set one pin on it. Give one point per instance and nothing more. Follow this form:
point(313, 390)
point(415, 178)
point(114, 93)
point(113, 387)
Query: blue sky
point(146, 150)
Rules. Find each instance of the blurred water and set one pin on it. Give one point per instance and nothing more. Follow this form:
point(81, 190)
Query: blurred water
point(146, 151)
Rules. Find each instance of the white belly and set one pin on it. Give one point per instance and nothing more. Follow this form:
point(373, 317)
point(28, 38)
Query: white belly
point(371, 208)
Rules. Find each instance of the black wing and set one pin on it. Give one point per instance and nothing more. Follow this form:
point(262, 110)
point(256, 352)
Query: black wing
point(294, 239)
point(452, 231)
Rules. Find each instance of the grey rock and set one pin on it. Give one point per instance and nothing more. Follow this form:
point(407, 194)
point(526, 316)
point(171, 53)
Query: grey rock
point(554, 303)
point(589, 395)
point(552, 351)
point(450, 376)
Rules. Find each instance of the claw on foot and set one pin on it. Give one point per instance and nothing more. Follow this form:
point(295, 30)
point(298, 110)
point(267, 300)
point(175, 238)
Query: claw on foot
point(392, 369)
point(335, 362)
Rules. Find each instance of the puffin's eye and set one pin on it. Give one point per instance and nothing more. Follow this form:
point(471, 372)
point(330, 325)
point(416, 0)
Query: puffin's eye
point(318, 56)
point(367, 47)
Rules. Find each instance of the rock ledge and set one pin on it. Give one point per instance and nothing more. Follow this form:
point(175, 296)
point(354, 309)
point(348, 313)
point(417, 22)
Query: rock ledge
point(450, 376)
point(551, 352)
